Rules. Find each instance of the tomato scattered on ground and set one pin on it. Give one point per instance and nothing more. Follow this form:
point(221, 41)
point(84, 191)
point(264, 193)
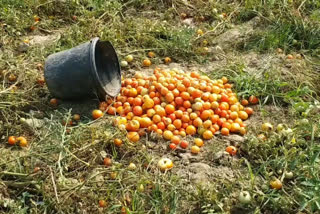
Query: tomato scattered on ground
point(174, 104)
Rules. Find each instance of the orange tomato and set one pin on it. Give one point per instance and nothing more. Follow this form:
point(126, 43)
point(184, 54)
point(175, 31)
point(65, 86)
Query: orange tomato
point(160, 111)
point(176, 92)
point(136, 102)
point(193, 115)
point(195, 74)
point(97, 114)
point(172, 146)
point(198, 142)
point(243, 115)
point(151, 54)
point(132, 92)
point(195, 149)
point(153, 127)
point(170, 109)
point(151, 113)
point(146, 62)
point(253, 99)
point(207, 124)
point(276, 184)
point(205, 114)
point(167, 135)
point(186, 104)
point(12, 140)
point(176, 132)
point(185, 118)
point(225, 131)
point(178, 113)
point(249, 111)
point(226, 125)
point(167, 60)
point(161, 125)
point(186, 82)
point(185, 95)
point(172, 116)
point(145, 122)
point(233, 115)
point(224, 80)
point(224, 106)
point(175, 140)
point(184, 144)
point(224, 98)
point(205, 96)
point(177, 123)
point(133, 125)
point(166, 120)
point(133, 136)
point(216, 127)
point(243, 130)
point(214, 105)
point(179, 101)
point(234, 108)
point(54, 102)
point(191, 130)
point(206, 105)
point(224, 114)
point(156, 100)
point(244, 102)
point(197, 122)
point(207, 135)
point(117, 142)
point(169, 97)
point(111, 111)
point(171, 86)
point(233, 100)
point(196, 93)
point(137, 110)
point(102, 203)
point(156, 118)
point(235, 127)
point(107, 162)
point(231, 150)
point(164, 91)
point(22, 141)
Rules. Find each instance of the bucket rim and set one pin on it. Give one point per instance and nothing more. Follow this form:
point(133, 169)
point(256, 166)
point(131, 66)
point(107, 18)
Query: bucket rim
point(101, 92)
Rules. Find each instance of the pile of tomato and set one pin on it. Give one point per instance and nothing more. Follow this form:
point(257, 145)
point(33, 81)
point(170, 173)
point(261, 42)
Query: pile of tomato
point(174, 104)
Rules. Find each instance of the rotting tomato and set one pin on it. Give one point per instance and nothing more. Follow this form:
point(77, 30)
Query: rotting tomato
point(231, 150)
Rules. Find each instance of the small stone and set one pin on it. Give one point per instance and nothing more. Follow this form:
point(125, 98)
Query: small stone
point(37, 114)
point(99, 179)
point(188, 21)
point(185, 156)
point(32, 123)
point(44, 40)
point(103, 154)
point(23, 47)
point(200, 178)
point(219, 155)
point(235, 138)
point(200, 168)
point(216, 50)
point(150, 144)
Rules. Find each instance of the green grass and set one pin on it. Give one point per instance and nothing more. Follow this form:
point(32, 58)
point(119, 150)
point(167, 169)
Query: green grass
point(291, 35)
point(292, 26)
point(270, 86)
point(71, 157)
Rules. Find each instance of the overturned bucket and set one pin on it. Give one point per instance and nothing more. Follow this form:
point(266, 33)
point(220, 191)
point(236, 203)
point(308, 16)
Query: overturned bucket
point(87, 70)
